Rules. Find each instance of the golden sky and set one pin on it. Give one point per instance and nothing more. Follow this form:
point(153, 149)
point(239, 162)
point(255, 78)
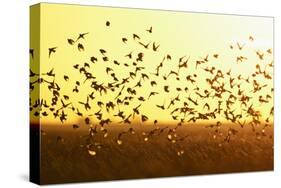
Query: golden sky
point(194, 35)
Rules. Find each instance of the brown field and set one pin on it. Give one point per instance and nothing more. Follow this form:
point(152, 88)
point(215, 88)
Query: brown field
point(66, 161)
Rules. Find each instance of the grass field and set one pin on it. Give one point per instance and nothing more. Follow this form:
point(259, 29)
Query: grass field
point(67, 159)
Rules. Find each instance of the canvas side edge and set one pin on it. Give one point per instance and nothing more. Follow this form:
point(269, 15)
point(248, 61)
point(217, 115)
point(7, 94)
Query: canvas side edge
point(34, 137)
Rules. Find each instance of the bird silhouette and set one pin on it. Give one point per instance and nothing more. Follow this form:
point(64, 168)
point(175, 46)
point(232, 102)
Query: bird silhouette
point(166, 89)
point(240, 47)
point(251, 38)
point(144, 118)
point(93, 59)
point(152, 94)
point(149, 30)
point(32, 74)
point(124, 40)
point(31, 52)
point(162, 107)
point(52, 50)
point(260, 55)
point(82, 36)
point(129, 55)
point(65, 77)
point(75, 126)
point(155, 47)
point(70, 41)
point(216, 56)
point(80, 47)
point(135, 36)
point(50, 73)
point(145, 45)
point(86, 104)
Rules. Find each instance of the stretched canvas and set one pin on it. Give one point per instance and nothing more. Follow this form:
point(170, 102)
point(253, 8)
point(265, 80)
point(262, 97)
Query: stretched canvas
point(121, 93)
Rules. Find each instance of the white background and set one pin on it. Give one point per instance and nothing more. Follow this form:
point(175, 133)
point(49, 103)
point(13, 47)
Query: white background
point(14, 72)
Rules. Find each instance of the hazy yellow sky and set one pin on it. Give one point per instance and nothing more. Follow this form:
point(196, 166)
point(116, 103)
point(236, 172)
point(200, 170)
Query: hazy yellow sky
point(193, 35)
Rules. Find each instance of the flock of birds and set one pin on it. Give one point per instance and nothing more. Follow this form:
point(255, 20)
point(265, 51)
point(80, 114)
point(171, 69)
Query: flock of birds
point(222, 100)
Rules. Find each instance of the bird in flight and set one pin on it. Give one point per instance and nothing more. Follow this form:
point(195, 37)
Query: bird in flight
point(31, 52)
point(144, 45)
point(124, 40)
point(70, 41)
point(135, 36)
point(82, 36)
point(155, 47)
point(240, 47)
point(251, 38)
point(80, 47)
point(149, 30)
point(52, 50)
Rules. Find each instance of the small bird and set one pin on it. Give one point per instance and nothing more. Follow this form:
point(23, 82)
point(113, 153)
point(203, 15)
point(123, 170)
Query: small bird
point(50, 73)
point(32, 74)
point(206, 105)
point(149, 30)
point(140, 56)
point(107, 23)
point(76, 66)
point(87, 121)
point(52, 50)
point(151, 94)
point(160, 106)
point(124, 40)
point(166, 89)
point(144, 118)
point(153, 83)
point(103, 52)
point(93, 59)
point(65, 77)
point(240, 59)
point(251, 38)
point(154, 47)
point(129, 55)
point(169, 57)
point(206, 58)
point(216, 56)
point(240, 47)
point(144, 45)
point(260, 55)
point(135, 36)
point(66, 97)
point(80, 47)
point(108, 69)
point(241, 124)
point(70, 41)
point(75, 126)
point(44, 113)
point(81, 36)
point(31, 52)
